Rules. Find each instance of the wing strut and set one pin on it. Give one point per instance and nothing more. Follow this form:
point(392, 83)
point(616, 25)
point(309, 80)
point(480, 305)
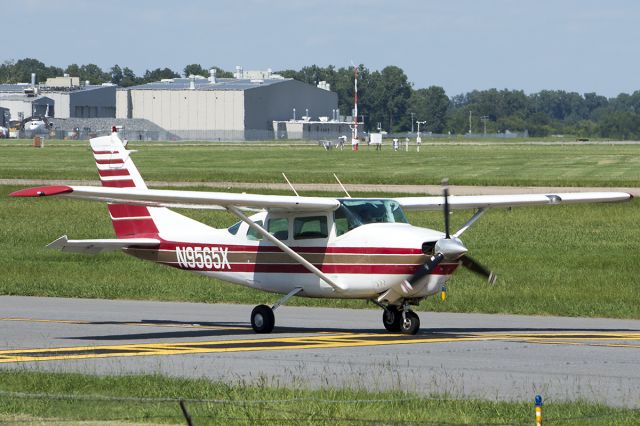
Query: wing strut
point(285, 248)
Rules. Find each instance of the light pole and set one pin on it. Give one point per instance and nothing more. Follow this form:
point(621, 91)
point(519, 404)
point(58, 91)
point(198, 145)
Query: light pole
point(469, 121)
point(412, 114)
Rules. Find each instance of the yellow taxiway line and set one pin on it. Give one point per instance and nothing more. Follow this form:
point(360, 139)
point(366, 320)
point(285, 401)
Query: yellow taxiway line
point(316, 341)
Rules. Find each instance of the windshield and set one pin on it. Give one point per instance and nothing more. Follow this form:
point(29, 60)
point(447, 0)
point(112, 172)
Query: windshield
point(353, 213)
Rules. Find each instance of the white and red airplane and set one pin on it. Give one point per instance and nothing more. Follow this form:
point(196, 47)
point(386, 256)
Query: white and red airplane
point(352, 248)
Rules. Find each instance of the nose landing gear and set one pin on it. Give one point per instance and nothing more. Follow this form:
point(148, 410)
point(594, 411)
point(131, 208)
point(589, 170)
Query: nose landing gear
point(400, 319)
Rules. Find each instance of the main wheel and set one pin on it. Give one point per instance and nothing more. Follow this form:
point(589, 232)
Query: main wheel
point(391, 318)
point(262, 319)
point(410, 324)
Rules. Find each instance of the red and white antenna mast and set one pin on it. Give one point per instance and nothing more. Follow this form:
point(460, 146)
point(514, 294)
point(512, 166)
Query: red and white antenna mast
point(354, 128)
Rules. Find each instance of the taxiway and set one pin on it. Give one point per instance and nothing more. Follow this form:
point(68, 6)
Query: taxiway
point(501, 357)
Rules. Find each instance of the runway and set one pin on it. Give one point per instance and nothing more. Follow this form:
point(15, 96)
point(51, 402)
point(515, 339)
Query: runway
point(465, 355)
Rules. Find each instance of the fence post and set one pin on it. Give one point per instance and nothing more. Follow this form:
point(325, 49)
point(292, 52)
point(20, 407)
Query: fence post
point(185, 413)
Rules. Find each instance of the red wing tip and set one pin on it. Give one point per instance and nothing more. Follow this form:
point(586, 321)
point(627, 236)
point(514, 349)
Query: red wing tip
point(42, 191)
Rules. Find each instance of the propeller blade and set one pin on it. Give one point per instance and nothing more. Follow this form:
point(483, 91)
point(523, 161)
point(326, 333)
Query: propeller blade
point(427, 268)
point(445, 191)
point(472, 265)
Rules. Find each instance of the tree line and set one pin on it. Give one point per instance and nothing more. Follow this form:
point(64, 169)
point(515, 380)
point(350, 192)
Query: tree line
point(388, 100)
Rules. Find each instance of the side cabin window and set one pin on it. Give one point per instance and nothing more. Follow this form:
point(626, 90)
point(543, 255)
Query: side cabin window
point(279, 227)
point(353, 213)
point(254, 235)
point(310, 227)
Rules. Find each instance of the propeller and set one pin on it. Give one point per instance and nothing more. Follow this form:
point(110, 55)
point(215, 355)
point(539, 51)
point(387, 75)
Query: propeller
point(450, 249)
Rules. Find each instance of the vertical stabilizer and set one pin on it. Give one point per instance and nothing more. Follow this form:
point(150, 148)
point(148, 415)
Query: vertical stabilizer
point(116, 170)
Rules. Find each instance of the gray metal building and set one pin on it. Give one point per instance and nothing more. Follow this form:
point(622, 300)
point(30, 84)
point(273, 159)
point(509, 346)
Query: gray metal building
point(223, 109)
point(60, 100)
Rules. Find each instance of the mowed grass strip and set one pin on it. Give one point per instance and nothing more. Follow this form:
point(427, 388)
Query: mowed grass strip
point(573, 260)
point(510, 165)
point(154, 399)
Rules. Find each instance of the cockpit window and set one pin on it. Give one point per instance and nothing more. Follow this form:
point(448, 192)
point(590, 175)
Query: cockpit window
point(353, 213)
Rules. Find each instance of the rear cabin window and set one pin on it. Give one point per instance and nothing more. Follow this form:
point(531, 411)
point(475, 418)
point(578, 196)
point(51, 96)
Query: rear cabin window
point(310, 227)
point(233, 229)
point(279, 228)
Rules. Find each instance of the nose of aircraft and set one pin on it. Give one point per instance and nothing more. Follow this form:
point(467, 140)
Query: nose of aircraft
point(451, 248)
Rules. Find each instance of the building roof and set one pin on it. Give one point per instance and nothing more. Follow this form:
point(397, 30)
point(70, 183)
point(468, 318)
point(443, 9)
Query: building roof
point(205, 84)
point(23, 98)
point(13, 88)
point(19, 88)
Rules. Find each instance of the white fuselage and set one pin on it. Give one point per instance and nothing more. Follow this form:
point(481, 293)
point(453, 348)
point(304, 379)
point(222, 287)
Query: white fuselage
point(365, 261)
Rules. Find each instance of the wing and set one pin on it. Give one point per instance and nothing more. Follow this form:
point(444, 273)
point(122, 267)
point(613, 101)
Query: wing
point(183, 199)
point(98, 246)
point(485, 201)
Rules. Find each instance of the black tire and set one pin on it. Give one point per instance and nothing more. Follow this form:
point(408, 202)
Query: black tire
point(262, 319)
point(392, 318)
point(411, 324)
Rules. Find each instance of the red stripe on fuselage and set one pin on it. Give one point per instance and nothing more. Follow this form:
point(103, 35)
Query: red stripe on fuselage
point(287, 268)
point(171, 245)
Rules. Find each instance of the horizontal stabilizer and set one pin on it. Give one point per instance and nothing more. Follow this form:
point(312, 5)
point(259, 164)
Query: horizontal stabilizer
point(98, 246)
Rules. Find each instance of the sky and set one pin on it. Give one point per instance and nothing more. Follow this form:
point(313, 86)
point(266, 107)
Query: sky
point(460, 45)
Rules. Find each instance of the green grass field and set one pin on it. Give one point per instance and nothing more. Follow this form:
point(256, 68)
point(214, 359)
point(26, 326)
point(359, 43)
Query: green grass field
point(578, 260)
point(511, 165)
point(48, 398)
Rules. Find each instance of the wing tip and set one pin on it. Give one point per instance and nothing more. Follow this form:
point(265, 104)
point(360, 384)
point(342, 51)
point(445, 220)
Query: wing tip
point(42, 191)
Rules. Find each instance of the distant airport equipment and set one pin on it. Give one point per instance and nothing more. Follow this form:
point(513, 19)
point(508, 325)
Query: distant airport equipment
point(418, 138)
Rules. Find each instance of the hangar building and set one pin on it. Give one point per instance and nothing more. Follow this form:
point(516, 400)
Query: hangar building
point(60, 97)
point(223, 109)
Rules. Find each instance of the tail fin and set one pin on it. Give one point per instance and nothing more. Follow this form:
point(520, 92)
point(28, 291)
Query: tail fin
point(116, 169)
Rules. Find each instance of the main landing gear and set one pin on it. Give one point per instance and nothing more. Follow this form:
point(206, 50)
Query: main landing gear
point(262, 318)
point(400, 319)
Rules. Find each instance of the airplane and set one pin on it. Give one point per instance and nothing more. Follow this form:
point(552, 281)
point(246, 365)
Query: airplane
point(322, 247)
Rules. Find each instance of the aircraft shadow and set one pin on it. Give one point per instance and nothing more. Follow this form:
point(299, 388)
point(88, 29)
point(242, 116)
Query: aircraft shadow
point(223, 329)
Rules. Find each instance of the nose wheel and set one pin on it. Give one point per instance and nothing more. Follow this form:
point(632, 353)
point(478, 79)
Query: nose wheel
point(410, 324)
point(404, 321)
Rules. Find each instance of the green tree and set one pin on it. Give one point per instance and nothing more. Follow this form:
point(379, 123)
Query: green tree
point(129, 78)
point(116, 75)
point(430, 105)
point(195, 69)
point(395, 91)
point(159, 74)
